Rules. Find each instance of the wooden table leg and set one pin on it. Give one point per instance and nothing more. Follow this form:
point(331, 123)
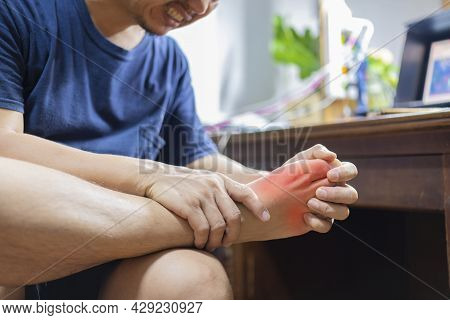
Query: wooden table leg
point(236, 269)
point(447, 207)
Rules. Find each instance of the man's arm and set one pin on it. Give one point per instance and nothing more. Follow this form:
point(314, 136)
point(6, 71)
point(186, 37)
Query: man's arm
point(112, 172)
point(160, 182)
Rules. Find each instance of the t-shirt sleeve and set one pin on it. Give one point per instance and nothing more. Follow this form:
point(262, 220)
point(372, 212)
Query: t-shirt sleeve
point(11, 63)
point(183, 132)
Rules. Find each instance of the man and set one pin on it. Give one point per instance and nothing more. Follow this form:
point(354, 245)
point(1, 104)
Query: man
point(89, 87)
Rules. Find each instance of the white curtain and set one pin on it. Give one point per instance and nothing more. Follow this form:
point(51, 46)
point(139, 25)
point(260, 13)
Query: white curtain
point(201, 46)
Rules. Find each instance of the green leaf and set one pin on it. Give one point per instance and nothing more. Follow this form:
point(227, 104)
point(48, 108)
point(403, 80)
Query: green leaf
point(291, 47)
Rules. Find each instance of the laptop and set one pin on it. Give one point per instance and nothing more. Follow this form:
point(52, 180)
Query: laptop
point(424, 80)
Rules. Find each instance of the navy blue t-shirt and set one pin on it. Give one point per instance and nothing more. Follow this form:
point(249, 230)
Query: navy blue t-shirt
point(77, 88)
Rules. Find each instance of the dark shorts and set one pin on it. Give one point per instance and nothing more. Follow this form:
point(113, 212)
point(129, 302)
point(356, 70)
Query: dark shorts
point(84, 285)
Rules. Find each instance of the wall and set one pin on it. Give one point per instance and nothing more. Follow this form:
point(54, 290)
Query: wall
point(390, 19)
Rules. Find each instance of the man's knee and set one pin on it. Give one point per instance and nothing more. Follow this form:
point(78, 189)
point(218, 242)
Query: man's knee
point(171, 274)
point(195, 274)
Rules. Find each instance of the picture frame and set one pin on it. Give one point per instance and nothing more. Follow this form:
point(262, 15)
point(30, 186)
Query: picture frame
point(437, 81)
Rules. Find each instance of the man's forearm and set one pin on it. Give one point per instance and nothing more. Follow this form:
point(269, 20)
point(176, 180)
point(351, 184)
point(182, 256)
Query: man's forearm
point(113, 172)
point(53, 224)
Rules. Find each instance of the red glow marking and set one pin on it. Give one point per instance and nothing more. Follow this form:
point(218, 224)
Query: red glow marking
point(286, 191)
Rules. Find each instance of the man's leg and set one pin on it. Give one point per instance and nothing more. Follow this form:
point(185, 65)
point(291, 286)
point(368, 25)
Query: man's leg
point(285, 193)
point(191, 274)
point(71, 225)
point(178, 274)
point(53, 225)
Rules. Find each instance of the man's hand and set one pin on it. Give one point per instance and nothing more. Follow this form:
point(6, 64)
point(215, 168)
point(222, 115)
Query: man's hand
point(206, 200)
point(330, 202)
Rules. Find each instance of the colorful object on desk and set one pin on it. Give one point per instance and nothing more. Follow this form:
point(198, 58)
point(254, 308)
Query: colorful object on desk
point(361, 75)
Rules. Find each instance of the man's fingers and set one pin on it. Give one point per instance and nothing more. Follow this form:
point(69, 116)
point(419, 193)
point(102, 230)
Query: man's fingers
point(216, 222)
point(232, 216)
point(335, 163)
point(341, 195)
point(321, 152)
point(245, 195)
point(200, 225)
point(311, 192)
point(329, 210)
point(318, 224)
point(343, 173)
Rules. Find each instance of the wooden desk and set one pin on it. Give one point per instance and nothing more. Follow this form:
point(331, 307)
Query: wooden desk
point(396, 242)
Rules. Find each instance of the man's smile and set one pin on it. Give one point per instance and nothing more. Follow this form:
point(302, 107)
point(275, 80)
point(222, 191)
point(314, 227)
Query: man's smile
point(178, 13)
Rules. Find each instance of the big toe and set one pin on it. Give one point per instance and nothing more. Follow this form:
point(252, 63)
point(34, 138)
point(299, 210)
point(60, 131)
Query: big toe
point(317, 169)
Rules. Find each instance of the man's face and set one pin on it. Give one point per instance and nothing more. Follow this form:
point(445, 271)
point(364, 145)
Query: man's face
point(161, 16)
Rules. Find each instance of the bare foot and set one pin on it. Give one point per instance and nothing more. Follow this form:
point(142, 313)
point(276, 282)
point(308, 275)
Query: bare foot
point(285, 193)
